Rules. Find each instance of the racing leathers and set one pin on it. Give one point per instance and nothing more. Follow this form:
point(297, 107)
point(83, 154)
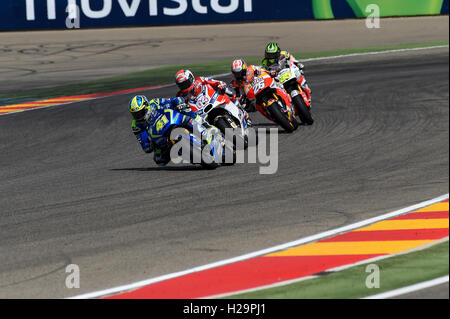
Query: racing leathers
point(192, 94)
point(158, 145)
point(285, 59)
point(240, 87)
point(266, 63)
point(197, 87)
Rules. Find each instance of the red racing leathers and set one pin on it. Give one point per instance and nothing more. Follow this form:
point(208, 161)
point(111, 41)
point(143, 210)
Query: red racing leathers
point(196, 88)
point(239, 86)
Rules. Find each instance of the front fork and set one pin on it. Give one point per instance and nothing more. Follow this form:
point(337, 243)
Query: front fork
point(305, 91)
point(306, 96)
point(285, 108)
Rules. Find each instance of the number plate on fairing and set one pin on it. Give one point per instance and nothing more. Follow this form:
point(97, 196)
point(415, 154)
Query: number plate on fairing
point(258, 85)
point(202, 101)
point(285, 75)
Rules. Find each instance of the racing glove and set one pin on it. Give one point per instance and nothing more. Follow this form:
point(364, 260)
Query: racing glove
point(273, 70)
point(223, 88)
point(228, 92)
point(183, 108)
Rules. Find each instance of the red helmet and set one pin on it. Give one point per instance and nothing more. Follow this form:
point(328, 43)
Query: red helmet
point(185, 80)
point(239, 69)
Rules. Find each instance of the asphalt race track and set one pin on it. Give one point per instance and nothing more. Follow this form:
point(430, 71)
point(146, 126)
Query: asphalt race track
point(76, 187)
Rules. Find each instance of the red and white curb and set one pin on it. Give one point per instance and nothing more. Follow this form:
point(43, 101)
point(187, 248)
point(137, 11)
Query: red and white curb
point(168, 286)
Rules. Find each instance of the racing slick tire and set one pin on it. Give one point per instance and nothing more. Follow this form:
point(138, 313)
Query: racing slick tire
point(303, 110)
point(222, 124)
point(275, 111)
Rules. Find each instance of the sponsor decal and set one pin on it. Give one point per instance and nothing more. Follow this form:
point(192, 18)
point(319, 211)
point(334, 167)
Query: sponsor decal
point(103, 9)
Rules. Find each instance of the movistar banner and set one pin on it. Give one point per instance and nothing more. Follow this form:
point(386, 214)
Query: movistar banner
point(62, 14)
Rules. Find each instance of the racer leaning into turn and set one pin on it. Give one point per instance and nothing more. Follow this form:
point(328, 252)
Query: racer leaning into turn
point(190, 88)
point(242, 76)
point(275, 57)
point(145, 114)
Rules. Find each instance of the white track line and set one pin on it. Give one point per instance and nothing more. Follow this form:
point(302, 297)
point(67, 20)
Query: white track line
point(375, 53)
point(331, 270)
point(264, 251)
point(227, 74)
point(408, 289)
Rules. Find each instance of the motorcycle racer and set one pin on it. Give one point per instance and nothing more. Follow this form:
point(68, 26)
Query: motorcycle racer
point(145, 113)
point(243, 75)
point(255, 85)
point(273, 55)
point(274, 58)
point(190, 88)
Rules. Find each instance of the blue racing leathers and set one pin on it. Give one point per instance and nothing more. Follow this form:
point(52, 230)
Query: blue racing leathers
point(142, 129)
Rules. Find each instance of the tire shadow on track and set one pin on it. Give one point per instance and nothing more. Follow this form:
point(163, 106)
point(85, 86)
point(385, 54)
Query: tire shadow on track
point(268, 126)
point(162, 168)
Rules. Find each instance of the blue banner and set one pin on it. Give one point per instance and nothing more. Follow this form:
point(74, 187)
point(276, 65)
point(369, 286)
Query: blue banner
point(66, 14)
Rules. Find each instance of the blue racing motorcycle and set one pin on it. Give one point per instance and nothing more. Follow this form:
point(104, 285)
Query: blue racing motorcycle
point(176, 135)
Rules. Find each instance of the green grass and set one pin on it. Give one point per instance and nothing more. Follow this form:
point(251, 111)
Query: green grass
point(165, 75)
point(395, 272)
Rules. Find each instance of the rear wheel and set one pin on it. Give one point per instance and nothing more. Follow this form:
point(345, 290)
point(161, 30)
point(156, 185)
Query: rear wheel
point(281, 118)
point(303, 110)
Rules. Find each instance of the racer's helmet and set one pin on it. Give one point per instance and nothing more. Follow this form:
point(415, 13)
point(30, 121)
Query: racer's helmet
point(272, 53)
point(138, 107)
point(184, 80)
point(239, 69)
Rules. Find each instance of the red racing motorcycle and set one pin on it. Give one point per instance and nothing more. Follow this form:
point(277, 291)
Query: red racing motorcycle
point(272, 101)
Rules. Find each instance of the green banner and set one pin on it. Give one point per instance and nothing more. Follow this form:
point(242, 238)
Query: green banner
point(323, 9)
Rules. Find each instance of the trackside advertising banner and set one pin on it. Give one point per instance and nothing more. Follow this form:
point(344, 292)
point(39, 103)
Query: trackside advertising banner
point(67, 14)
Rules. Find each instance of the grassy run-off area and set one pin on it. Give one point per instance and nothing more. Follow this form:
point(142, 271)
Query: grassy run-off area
point(395, 272)
point(165, 75)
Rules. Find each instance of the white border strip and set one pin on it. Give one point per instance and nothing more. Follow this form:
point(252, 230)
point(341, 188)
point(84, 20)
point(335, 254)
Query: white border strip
point(408, 289)
point(263, 252)
point(226, 74)
point(330, 270)
point(376, 52)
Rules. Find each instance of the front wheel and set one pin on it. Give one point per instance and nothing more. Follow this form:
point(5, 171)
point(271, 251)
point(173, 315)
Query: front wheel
point(302, 110)
point(281, 118)
point(222, 124)
point(190, 148)
point(210, 162)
